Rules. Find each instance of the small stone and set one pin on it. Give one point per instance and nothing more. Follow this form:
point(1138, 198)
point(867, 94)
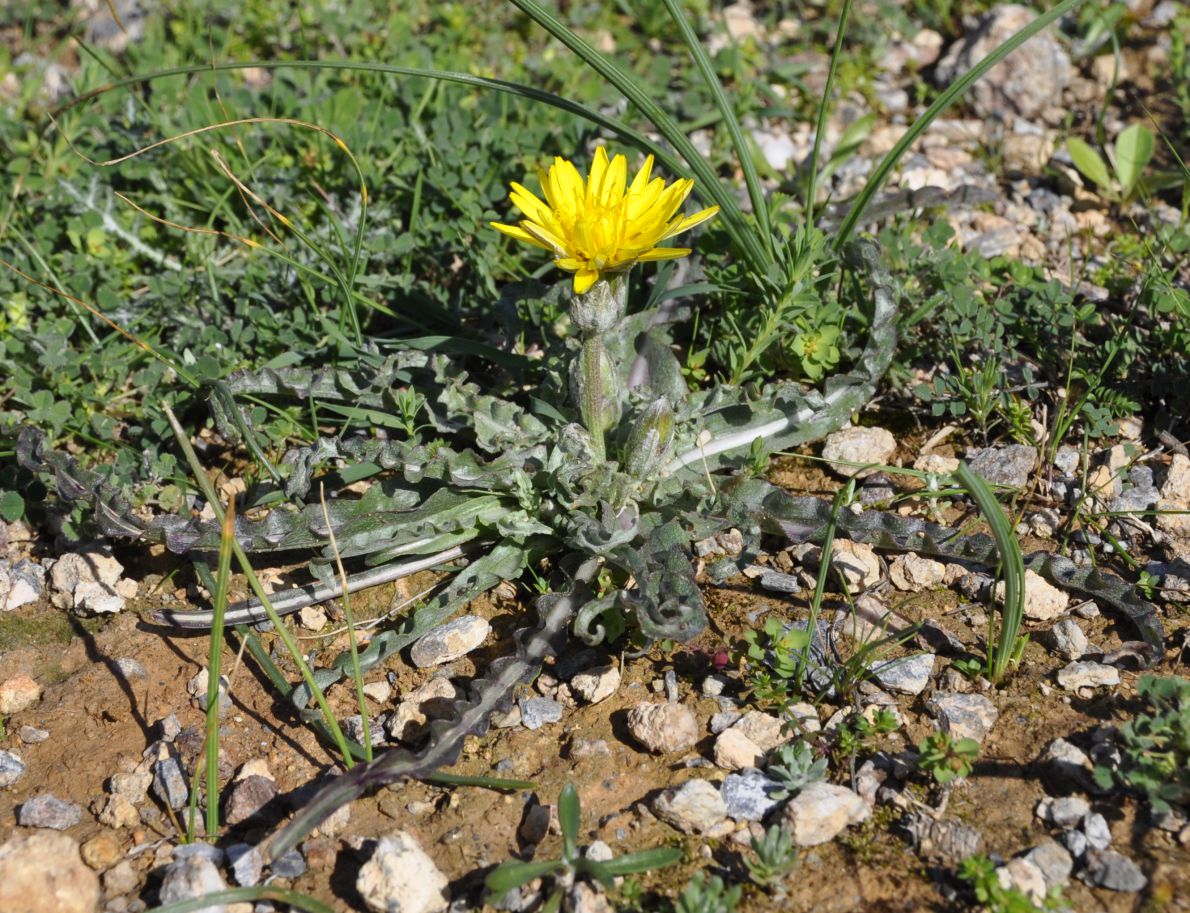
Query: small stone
point(663, 728)
point(1063, 812)
point(1023, 875)
point(764, 729)
point(290, 866)
point(936, 463)
point(857, 562)
point(50, 812)
point(1075, 842)
point(734, 750)
point(963, 716)
point(246, 863)
point(821, 811)
point(170, 727)
point(858, 445)
point(118, 812)
point(1043, 601)
point(539, 711)
point(169, 783)
point(334, 823)
point(1112, 870)
point(248, 797)
point(12, 768)
point(353, 728)
point(582, 898)
point(31, 735)
point(400, 878)
point(536, 822)
point(723, 720)
point(695, 807)
point(26, 584)
point(1097, 831)
point(1010, 465)
point(598, 684)
point(191, 876)
point(198, 686)
point(1066, 764)
point(94, 598)
point(120, 879)
point(449, 642)
point(102, 851)
point(590, 748)
point(1079, 675)
point(777, 582)
point(748, 796)
point(430, 701)
point(714, 685)
point(511, 717)
point(912, 573)
point(909, 675)
point(1053, 861)
point(133, 786)
point(130, 668)
point(43, 873)
point(18, 693)
point(380, 692)
point(313, 617)
point(1068, 639)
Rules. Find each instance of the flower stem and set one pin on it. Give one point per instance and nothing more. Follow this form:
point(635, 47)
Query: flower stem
point(591, 405)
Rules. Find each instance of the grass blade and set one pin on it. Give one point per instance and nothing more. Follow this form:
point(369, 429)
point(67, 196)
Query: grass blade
point(1012, 565)
point(222, 580)
point(295, 899)
point(742, 151)
point(823, 110)
point(291, 645)
point(944, 101)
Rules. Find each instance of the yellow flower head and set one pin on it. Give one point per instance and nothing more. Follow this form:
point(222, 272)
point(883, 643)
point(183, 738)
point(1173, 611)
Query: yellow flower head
point(602, 226)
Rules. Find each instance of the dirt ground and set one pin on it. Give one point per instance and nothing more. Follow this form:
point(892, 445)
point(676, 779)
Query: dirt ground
point(100, 722)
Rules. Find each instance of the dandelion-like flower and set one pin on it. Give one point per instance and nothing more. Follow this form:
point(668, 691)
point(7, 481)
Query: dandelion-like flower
point(602, 226)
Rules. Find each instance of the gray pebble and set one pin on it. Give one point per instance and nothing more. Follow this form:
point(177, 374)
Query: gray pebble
point(906, 676)
point(31, 735)
point(1111, 870)
point(748, 795)
point(47, 811)
point(1097, 831)
point(724, 720)
point(247, 864)
point(539, 711)
point(12, 768)
point(290, 866)
point(130, 668)
point(1075, 841)
point(1009, 465)
point(169, 784)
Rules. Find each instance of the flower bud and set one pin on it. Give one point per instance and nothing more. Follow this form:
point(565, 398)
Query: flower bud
point(649, 441)
point(602, 307)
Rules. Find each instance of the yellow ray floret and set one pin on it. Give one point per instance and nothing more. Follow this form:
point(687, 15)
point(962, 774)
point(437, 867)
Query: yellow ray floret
point(602, 225)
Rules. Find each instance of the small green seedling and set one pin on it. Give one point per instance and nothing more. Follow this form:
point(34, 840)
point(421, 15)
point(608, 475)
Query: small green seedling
point(775, 856)
point(707, 895)
point(1156, 746)
point(858, 732)
point(794, 766)
point(947, 759)
point(980, 873)
point(1129, 155)
point(573, 865)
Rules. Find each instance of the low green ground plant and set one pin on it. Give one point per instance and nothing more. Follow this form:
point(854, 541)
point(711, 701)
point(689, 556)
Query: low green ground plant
point(1155, 746)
